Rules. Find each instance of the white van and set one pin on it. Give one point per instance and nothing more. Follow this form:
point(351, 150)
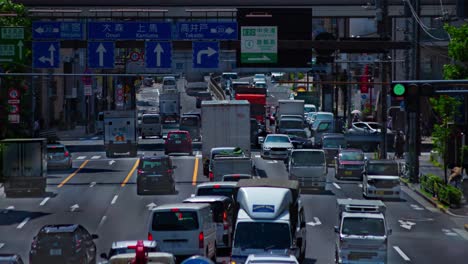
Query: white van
point(151, 125)
point(184, 229)
point(169, 84)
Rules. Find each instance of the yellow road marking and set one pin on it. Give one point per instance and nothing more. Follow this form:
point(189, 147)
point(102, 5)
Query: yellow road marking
point(195, 172)
point(130, 173)
point(73, 174)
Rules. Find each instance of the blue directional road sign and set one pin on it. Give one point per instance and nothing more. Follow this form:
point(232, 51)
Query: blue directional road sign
point(57, 30)
point(46, 54)
point(129, 30)
point(207, 30)
point(158, 54)
point(101, 55)
point(205, 54)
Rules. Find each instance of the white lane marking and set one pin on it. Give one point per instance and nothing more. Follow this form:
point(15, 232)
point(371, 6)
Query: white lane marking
point(417, 207)
point(151, 206)
point(257, 156)
point(92, 184)
point(402, 254)
point(406, 224)
point(95, 138)
point(461, 232)
point(95, 157)
point(103, 219)
point(81, 158)
point(111, 162)
point(44, 201)
point(315, 223)
point(449, 232)
point(2, 245)
point(336, 185)
point(360, 185)
point(23, 223)
point(272, 161)
point(114, 199)
point(74, 207)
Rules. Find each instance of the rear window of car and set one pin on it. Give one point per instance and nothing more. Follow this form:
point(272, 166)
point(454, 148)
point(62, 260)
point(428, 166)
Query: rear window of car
point(152, 165)
point(181, 136)
point(54, 237)
point(348, 155)
point(189, 121)
point(169, 82)
point(307, 158)
point(226, 191)
point(55, 149)
point(175, 221)
point(150, 119)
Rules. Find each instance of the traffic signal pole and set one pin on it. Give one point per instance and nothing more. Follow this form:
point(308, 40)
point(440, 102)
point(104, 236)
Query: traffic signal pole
point(384, 31)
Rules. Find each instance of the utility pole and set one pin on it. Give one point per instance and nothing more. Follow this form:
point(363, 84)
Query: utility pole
point(382, 19)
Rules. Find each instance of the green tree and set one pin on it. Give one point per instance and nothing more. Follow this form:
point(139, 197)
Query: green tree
point(15, 15)
point(458, 51)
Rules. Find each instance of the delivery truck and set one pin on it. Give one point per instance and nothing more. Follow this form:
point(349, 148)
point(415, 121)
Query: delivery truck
point(120, 133)
point(24, 163)
point(169, 107)
point(225, 124)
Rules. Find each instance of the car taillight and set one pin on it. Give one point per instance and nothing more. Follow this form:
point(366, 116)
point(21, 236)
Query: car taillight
point(140, 171)
point(225, 216)
point(67, 154)
point(150, 236)
point(201, 240)
point(169, 171)
point(211, 176)
point(225, 223)
point(78, 243)
point(34, 244)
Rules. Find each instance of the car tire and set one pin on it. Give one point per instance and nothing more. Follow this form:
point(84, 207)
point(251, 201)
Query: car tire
point(139, 190)
point(214, 254)
point(143, 136)
point(191, 153)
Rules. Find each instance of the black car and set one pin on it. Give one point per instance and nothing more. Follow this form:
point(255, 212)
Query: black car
point(155, 174)
point(70, 243)
point(10, 259)
point(299, 138)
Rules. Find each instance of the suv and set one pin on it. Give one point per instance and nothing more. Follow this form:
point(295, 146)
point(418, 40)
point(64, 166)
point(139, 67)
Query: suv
point(63, 244)
point(58, 157)
point(178, 141)
point(155, 173)
point(121, 247)
point(349, 164)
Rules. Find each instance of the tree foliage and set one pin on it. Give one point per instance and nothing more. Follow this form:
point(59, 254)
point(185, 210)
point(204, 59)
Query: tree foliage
point(446, 108)
point(458, 51)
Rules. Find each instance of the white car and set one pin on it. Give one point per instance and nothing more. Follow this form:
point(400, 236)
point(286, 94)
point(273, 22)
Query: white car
point(276, 146)
point(367, 127)
point(271, 258)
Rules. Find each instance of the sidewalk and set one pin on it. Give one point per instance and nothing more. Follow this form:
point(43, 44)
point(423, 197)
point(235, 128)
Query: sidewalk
point(426, 167)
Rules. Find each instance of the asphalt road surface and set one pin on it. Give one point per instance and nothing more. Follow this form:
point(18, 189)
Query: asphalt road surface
point(100, 194)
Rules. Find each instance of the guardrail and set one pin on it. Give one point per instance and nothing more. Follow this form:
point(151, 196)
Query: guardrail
point(214, 87)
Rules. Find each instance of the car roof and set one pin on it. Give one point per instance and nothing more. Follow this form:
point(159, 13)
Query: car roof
point(220, 184)
point(207, 199)
point(182, 206)
point(382, 162)
point(271, 257)
point(59, 228)
point(155, 157)
point(351, 150)
point(150, 114)
point(308, 150)
point(55, 145)
point(281, 135)
point(178, 132)
point(168, 77)
point(126, 243)
point(333, 135)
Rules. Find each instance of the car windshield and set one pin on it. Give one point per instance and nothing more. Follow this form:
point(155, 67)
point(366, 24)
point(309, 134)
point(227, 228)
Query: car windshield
point(169, 82)
point(382, 169)
point(174, 221)
point(299, 133)
point(291, 124)
point(150, 119)
point(351, 155)
point(334, 143)
point(277, 139)
point(308, 109)
point(262, 235)
point(224, 191)
point(302, 158)
point(360, 226)
point(323, 117)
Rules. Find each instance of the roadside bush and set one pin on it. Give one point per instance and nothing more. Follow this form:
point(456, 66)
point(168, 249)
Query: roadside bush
point(431, 183)
point(450, 195)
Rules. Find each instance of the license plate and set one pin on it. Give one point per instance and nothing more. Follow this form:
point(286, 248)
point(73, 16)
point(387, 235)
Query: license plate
point(178, 141)
point(55, 252)
point(380, 192)
point(348, 172)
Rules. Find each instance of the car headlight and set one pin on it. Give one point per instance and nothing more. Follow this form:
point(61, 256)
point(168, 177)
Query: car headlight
point(266, 147)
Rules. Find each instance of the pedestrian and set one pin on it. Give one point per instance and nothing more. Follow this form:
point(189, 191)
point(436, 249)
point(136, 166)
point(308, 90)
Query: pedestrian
point(355, 118)
point(36, 128)
point(455, 177)
point(390, 123)
point(398, 144)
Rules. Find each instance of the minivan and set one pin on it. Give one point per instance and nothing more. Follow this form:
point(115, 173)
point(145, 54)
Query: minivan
point(223, 213)
point(191, 123)
point(155, 173)
point(151, 125)
point(184, 229)
point(169, 84)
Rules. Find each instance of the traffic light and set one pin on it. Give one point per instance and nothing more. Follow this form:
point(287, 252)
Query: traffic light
point(426, 89)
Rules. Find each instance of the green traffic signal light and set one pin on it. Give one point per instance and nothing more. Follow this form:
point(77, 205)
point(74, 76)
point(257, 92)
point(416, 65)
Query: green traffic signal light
point(399, 89)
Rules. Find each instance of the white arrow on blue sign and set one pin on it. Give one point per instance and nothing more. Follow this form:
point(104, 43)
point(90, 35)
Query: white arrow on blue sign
point(205, 54)
point(158, 54)
point(101, 55)
point(46, 54)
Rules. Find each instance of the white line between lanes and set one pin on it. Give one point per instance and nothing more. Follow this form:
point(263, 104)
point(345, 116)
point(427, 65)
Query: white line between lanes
point(81, 157)
point(95, 157)
point(461, 232)
point(336, 185)
point(23, 223)
point(103, 219)
point(114, 199)
point(44, 201)
point(402, 254)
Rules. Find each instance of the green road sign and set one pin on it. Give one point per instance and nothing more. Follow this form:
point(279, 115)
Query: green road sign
point(399, 89)
point(12, 44)
point(259, 44)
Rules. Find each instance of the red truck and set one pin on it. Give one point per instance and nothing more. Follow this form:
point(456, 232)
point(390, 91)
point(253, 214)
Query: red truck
point(256, 98)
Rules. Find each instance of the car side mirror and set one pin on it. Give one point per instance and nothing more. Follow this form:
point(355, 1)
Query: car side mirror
point(103, 256)
point(336, 158)
point(389, 231)
point(94, 236)
point(261, 140)
point(337, 229)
